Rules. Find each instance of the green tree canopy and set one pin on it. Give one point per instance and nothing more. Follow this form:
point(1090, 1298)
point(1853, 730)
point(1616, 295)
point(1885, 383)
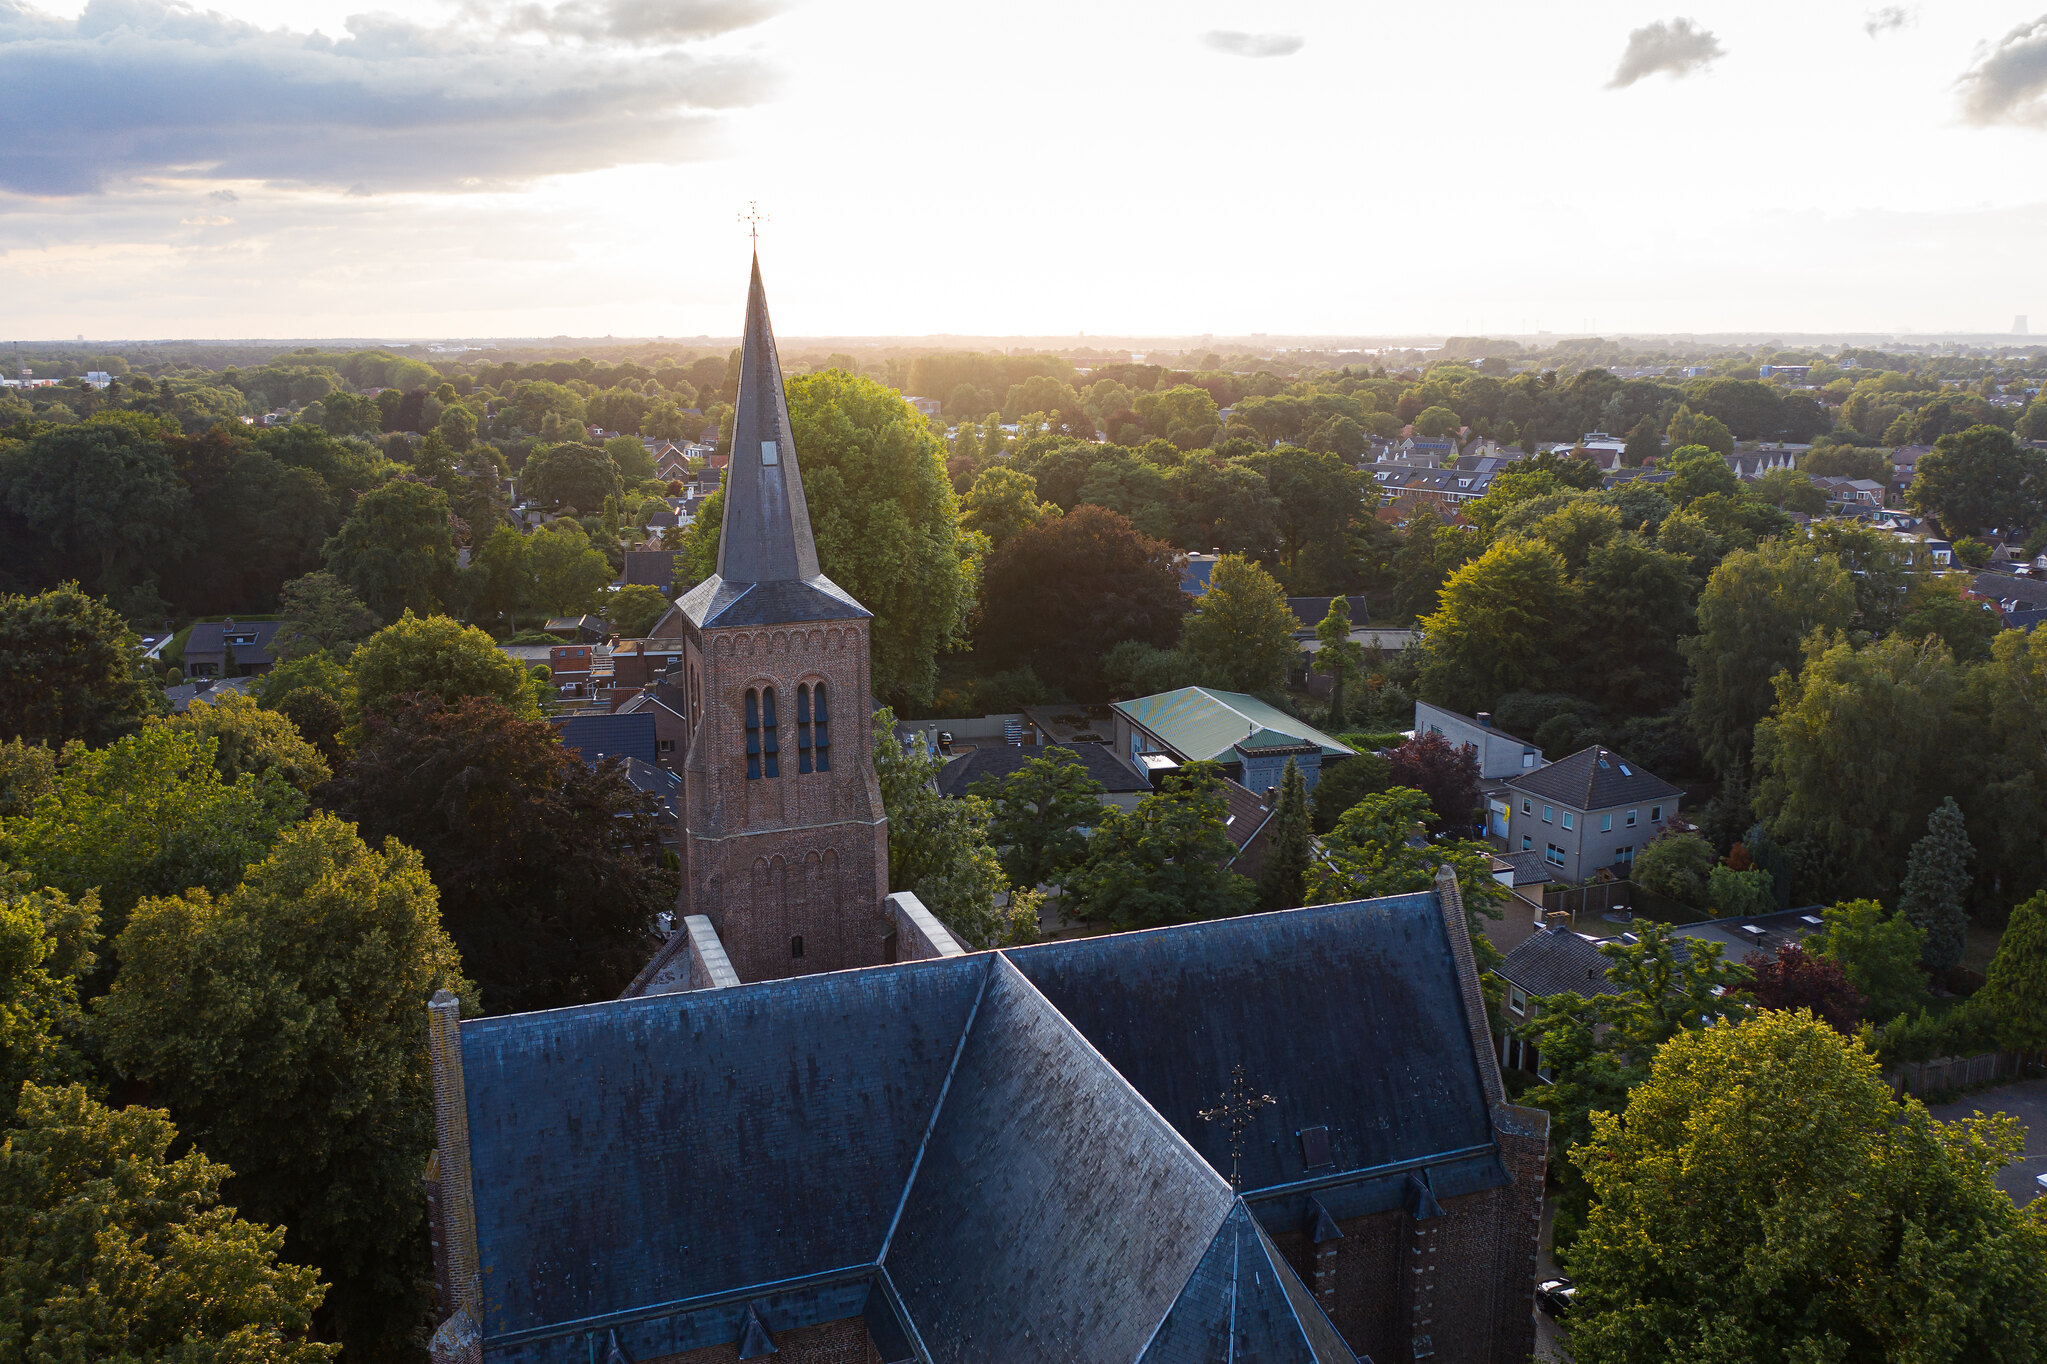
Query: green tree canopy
point(396, 549)
point(1337, 656)
point(630, 458)
point(1677, 864)
point(1754, 614)
point(284, 1025)
point(1698, 428)
point(1879, 954)
point(1695, 472)
point(1289, 846)
point(1498, 627)
point(634, 609)
point(939, 849)
point(1163, 862)
point(320, 613)
point(1346, 782)
point(1039, 816)
point(249, 738)
point(47, 943)
point(1002, 504)
point(69, 670)
point(1880, 1233)
point(571, 474)
point(548, 868)
point(1241, 633)
point(565, 574)
point(438, 657)
point(1977, 480)
point(1937, 883)
point(2015, 997)
point(148, 815)
point(1376, 849)
point(111, 1250)
point(26, 771)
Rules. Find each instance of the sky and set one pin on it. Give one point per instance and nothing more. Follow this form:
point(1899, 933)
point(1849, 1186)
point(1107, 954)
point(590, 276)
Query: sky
point(474, 168)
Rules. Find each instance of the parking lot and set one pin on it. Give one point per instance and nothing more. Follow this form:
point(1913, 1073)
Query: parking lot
point(2026, 1101)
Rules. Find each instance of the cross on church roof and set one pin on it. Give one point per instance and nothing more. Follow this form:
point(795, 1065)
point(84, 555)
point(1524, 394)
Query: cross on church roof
point(753, 218)
point(1239, 1109)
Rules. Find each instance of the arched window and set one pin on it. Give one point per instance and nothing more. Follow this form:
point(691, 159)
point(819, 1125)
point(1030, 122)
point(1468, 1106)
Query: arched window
point(803, 763)
point(771, 758)
point(820, 730)
point(796, 948)
point(753, 734)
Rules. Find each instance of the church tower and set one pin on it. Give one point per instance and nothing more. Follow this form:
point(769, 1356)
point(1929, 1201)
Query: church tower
point(784, 840)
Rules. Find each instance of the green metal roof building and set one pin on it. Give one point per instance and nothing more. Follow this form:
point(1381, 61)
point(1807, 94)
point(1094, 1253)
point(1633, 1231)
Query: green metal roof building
point(1199, 724)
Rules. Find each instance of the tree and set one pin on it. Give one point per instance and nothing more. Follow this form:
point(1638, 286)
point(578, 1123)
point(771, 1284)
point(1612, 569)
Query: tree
point(1886, 714)
point(1282, 876)
point(1698, 428)
point(1498, 627)
point(249, 738)
point(322, 613)
point(565, 573)
point(1879, 954)
point(47, 944)
point(1598, 1048)
point(1754, 614)
point(634, 609)
point(437, 657)
point(2014, 997)
point(630, 458)
point(110, 1250)
point(1337, 655)
point(1002, 504)
point(99, 502)
point(1879, 1234)
point(1446, 774)
point(939, 849)
point(1936, 887)
point(570, 474)
point(26, 771)
point(1346, 782)
point(1644, 597)
point(1163, 862)
point(1797, 979)
point(318, 717)
point(1977, 480)
point(1742, 894)
point(284, 1025)
point(1644, 444)
point(548, 867)
point(1377, 849)
point(1063, 593)
point(1241, 634)
point(1941, 607)
point(1695, 472)
point(148, 815)
point(457, 427)
point(1675, 863)
point(68, 670)
point(1038, 817)
point(396, 549)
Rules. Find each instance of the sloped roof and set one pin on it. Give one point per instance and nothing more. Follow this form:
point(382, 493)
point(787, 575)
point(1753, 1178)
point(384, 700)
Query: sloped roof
point(715, 601)
point(1555, 960)
point(996, 1154)
point(765, 536)
point(610, 736)
point(650, 567)
point(999, 761)
point(1202, 723)
point(254, 635)
point(1594, 778)
point(1309, 611)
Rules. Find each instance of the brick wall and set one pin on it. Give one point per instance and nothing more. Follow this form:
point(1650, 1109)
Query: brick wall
point(834, 1342)
point(769, 860)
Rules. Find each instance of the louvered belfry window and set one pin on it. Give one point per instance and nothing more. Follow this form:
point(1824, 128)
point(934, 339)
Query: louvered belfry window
point(771, 761)
point(803, 755)
point(821, 735)
point(753, 734)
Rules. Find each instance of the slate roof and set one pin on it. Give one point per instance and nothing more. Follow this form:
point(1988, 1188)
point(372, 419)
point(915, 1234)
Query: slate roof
point(999, 762)
point(1594, 778)
point(1556, 960)
point(1309, 611)
point(988, 1157)
point(1200, 723)
point(650, 567)
point(252, 639)
point(610, 736)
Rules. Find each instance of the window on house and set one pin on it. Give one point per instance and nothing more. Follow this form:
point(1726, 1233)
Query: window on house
point(753, 734)
point(1656, 814)
point(1631, 819)
point(1527, 807)
point(1549, 814)
point(821, 734)
point(771, 743)
point(796, 948)
point(1517, 999)
point(1526, 843)
point(1606, 824)
point(664, 745)
point(1570, 820)
point(1626, 854)
point(1554, 855)
point(1527, 760)
point(803, 727)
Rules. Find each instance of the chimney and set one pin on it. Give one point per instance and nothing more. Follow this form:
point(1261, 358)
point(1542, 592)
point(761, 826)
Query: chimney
point(1485, 719)
point(1271, 796)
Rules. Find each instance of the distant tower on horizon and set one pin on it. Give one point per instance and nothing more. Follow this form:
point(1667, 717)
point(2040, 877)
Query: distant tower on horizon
point(2018, 326)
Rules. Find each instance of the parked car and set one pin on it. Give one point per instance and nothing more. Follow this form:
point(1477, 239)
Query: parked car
point(1555, 1296)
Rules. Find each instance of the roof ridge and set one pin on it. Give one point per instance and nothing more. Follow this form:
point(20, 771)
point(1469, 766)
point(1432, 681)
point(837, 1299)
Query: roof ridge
point(937, 1107)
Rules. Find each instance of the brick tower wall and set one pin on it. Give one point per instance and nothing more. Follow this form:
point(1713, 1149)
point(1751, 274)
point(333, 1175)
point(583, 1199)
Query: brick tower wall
point(803, 854)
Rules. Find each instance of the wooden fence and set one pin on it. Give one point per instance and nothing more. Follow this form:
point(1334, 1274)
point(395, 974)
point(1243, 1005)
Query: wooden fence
point(1947, 1073)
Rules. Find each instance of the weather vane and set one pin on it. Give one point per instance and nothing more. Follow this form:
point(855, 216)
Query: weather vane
point(1239, 1109)
point(753, 218)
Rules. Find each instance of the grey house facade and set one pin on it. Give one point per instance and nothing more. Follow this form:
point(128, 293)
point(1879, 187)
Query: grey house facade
point(1501, 756)
point(1592, 810)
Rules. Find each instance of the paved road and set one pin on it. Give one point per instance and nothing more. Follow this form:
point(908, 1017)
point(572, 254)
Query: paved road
point(1549, 1340)
point(2026, 1101)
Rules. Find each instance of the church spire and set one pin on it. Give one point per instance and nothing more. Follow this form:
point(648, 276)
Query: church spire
point(765, 536)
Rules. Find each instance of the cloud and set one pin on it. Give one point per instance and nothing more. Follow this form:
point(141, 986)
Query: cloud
point(2008, 84)
point(225, 196)
point(140, 88)
point(1675, 46)
point(1886, 19)
point(1253, 44)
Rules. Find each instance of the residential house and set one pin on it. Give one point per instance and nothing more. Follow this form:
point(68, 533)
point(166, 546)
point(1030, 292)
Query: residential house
point(1553, 961)
point(1252, 740)
point(1850, 494)
point(1794, 374)
point(926, 407)
point(1749, 465)
point(1247, 824)
point(1922, 549)
point(649, 568)
point(597, 736)
point(207, 689)
point(666, 789)
point(584, 629)
point(1501, 756)
point(2011, 594)
point(230, 648)
point(1588, 812)
point(1122, 784)
point(1194, 571)
point(665, 700)
point(1905, 467)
